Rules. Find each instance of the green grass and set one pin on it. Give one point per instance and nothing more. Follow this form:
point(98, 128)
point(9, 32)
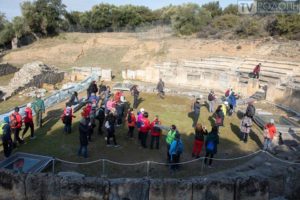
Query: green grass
point(172, 110)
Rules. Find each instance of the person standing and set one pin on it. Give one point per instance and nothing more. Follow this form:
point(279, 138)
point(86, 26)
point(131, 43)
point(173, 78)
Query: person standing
point(67, 118)
point(131, 121)
point(224, 108)
point(15, 120)
point(219, 117)
point(92, 89)
point(120, 107)
point(144, 129)
point(211, 101)
point(232, 103)
point(110, 105)
point(83, 136)
point(5, 133)
point(39, 108)
point(100, 116)
point(74, 99)
point(135, 93)
point(102, 89)
point(160, 88)
point(245, 127)
point(200, 133)
point(250, 111)
point(28, 121)
point(175, 151)
point(196, 109)
point(256, 71)
point(169, 139)
point(211, 144)
point(155, 132)
point(110, 128)
point(269, 133)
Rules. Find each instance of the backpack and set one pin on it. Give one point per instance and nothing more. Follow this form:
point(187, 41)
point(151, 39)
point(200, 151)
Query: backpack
point(129, 119)
point(179, 148)
point(13, 121)
point(210, 146)
point(210, 97)
point(67, 119)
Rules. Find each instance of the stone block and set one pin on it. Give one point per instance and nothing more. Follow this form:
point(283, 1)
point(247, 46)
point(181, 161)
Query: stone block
point(170, 189)
point(48, 86)
point(133, 189)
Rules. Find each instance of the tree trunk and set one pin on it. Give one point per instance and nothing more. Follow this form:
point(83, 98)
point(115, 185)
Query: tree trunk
point(15, 43)
point(35, 36)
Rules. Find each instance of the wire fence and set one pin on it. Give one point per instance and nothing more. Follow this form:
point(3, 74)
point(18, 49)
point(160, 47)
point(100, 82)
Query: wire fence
point(111, 169)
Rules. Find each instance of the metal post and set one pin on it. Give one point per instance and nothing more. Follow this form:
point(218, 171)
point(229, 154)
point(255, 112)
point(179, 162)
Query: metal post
point(148, 167)
point(53, 166)
point(202, 166)
point(103, 168)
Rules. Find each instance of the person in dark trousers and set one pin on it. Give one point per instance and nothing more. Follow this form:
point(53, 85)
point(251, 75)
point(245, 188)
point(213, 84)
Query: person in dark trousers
point(169, 139)
point(102, 89)
point(200, 133)
point(92, 89)
point(245, 127)
point(5, 133)
point(107, 95)
point(135, 93)
point(160, 88)
point(196, 110)
point(155, 132)
point(39, 108)
point(131, 121)
point(175, 151)
point(144, 129)
point(211, 144)
point(28, 121)
point(15, 120)
point(219, 116)
point(256, 71)
point(211, 101)
point(83, 137)
point(120, 106)
point(67, 118)
point(100, 116)
point(110, 128)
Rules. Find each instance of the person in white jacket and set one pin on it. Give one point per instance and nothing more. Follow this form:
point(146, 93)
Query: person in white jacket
point(245, 127)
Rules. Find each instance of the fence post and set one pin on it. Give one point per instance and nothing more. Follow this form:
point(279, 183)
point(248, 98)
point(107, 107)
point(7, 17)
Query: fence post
point(148, 168)
point(202, 166)
point(53, 166)
point(103, 168)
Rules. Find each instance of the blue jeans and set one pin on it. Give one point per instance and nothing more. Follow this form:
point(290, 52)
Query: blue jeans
point(267, 144)
point(82, 151)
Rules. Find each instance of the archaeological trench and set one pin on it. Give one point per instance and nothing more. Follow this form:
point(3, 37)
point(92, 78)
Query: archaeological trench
point(262, 177)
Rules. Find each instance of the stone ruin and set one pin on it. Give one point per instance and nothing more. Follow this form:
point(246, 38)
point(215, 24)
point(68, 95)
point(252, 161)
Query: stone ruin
point(6, 68)
point(33, 74)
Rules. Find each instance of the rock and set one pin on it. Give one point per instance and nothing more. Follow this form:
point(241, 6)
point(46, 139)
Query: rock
point(6, 69)
point(12, 186)
point(252, 188)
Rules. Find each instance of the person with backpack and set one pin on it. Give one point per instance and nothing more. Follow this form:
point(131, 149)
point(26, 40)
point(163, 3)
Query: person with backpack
point(39, 108)
point(211, 144)
point(5, 133)
point(256, 71)
point(135, 93)
point(83, 135)
point(160, 88)
point(155, 132)
point(110, 128)
point(232, 103)
point(196, 111)
point(269, 133)
point(211, 101)
point(175, 151)
point(67, 117)
point(100, 116)
point(200, 134)
point(28, 121)
point(250, 111)
point(144, 129)
point(245, 127)
point(131, 121)
point(169, 139)
point(15, 120)
point(219, 116)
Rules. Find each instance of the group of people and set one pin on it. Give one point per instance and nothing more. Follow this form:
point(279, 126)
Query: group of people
point(12, 125)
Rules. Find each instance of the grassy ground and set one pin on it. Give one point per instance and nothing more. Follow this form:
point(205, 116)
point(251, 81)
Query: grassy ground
point(172, 110)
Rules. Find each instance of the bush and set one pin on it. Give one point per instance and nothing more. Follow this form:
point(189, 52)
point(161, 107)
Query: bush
point(231, 10)
point(250, 27)
point(225, 22)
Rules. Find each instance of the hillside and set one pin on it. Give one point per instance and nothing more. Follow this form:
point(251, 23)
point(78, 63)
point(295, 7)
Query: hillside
point(137, 50)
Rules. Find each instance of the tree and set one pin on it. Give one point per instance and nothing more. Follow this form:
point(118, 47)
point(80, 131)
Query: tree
point(231, 10)
point(214, 8)
point(189, 18)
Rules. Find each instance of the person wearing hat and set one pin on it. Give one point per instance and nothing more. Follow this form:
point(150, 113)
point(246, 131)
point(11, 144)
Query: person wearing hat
point(28, 121)
point(39, 108)
point(211, 101)
point(196, 111)
point(269, 133)
point(155, 132)
point(175, 151)
point(15, 120)
point(5, 133)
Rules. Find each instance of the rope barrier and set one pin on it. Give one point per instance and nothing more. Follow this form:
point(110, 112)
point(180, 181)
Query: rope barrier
point(281, 160)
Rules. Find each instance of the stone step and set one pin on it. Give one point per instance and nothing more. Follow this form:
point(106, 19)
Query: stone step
point(284, 63)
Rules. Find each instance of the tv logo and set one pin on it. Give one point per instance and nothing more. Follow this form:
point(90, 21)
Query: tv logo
point(247, 7)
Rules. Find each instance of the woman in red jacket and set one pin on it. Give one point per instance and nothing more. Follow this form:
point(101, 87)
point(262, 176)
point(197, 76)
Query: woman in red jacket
point(131, 120)
point(144, 129)
point(28, 121)
point(155, 132)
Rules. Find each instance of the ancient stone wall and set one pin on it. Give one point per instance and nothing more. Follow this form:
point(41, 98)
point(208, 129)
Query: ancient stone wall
point(6, 69)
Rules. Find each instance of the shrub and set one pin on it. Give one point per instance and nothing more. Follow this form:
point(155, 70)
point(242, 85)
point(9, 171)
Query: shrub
point(225, 22)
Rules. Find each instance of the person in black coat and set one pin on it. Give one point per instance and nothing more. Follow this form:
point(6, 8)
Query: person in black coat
point(83, 137)
point(100, 116)
point(110, 128)
point(196, 109)
point(93, 88)
point(6, 137)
